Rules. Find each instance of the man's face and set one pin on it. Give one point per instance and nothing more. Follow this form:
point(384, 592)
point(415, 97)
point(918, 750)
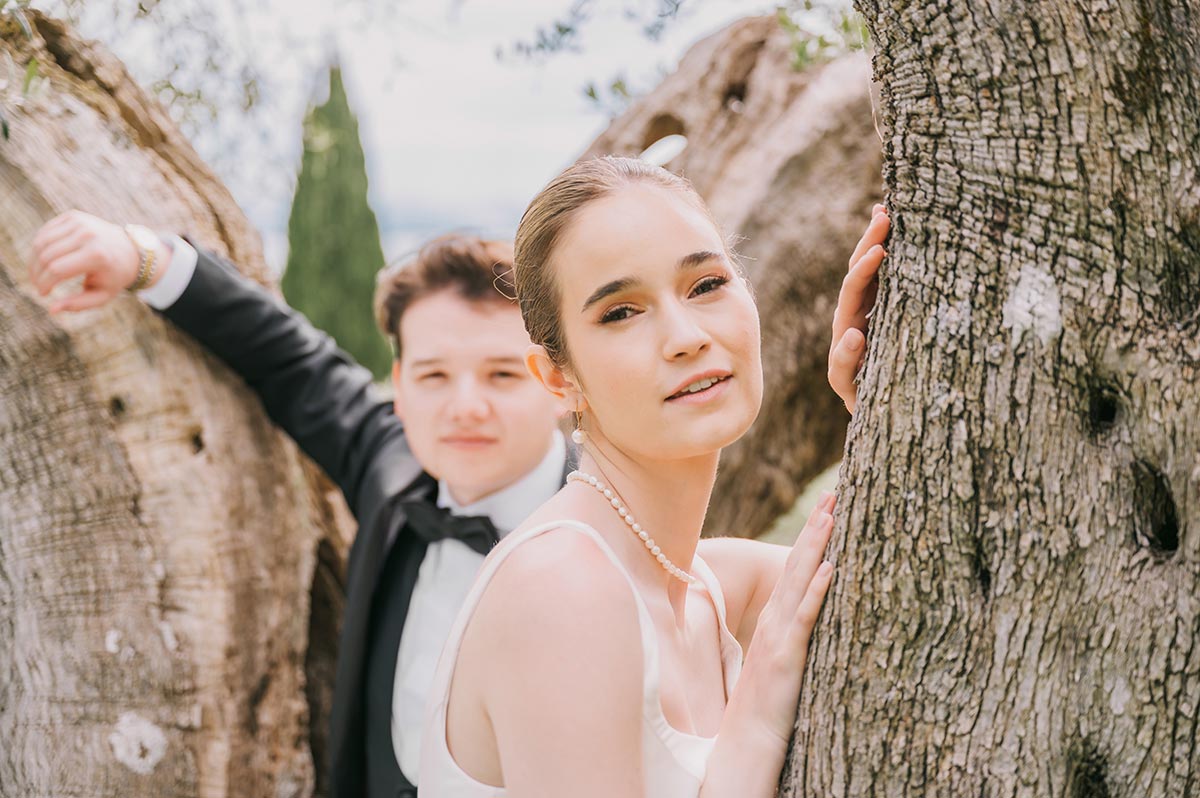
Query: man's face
point(472, 413)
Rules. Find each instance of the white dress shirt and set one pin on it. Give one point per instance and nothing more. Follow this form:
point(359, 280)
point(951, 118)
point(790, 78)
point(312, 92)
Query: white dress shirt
point(445, 578)
point(449, 567)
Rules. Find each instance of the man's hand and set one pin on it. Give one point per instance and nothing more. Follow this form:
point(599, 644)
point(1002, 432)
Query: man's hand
point(77, 243)
point(855, 301)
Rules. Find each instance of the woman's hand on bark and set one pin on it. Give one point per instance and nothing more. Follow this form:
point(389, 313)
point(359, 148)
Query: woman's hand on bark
point(77, 244)
point(855, 301)
point(779, 649)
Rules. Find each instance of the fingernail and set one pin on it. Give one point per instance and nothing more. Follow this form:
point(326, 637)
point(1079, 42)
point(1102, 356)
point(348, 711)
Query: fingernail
point(855, 343)
point(826, 568)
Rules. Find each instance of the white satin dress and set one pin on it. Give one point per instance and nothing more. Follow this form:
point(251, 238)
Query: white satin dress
point(673, 761)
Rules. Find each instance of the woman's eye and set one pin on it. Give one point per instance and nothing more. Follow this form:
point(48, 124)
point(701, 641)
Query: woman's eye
point(708, 285)
point(616, 314)
point(505, 375)
point(431, 376)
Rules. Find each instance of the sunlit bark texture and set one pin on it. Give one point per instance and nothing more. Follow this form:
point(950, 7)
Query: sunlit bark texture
point(789, 162)
point(158, 539)
point(1017, 609)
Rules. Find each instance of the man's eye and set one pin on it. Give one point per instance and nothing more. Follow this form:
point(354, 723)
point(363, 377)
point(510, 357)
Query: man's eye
point(432, 376)
point(618, 313)
point(709, 284)
point(506, 375)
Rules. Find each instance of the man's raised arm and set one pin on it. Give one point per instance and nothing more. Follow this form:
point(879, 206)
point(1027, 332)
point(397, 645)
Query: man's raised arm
point(314, 391)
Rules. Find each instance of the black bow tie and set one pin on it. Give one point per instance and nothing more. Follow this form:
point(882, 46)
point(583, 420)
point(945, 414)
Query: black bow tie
point(432, 523)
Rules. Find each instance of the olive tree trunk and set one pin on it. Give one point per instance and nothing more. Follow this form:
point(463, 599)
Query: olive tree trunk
point(788, 161)
point(158, 538)
point(1017, 607)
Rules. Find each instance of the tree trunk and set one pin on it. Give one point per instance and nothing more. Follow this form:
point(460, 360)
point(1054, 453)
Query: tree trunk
point(1017, 611)
point(158, 538)
point(788, 162)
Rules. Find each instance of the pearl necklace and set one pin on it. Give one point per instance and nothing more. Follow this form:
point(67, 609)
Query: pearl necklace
point(670, 567)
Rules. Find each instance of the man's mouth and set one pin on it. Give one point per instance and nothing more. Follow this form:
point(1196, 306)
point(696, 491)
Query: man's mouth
point(467, 440)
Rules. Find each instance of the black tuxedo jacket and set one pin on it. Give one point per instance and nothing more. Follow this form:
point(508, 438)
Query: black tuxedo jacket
point(324, 401)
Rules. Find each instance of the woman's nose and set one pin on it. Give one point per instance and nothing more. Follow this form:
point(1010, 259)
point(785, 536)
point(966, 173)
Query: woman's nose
point(683, 335)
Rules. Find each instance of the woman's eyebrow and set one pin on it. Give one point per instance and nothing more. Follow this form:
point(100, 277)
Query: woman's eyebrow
point(608, 289)
point(690, 261)
point(697, 259)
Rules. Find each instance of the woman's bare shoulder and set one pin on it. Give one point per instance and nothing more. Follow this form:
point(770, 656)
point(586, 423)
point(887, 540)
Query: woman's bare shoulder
point(557, 573)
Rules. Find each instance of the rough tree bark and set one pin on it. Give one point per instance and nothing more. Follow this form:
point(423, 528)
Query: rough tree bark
point(1017, 610)
point(789, 161)
point(158, 539)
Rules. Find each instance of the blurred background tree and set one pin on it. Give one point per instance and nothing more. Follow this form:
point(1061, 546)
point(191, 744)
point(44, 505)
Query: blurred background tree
point(334, 249)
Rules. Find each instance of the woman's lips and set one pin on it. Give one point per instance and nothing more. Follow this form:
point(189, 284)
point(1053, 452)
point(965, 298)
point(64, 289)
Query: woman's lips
point(700, 397)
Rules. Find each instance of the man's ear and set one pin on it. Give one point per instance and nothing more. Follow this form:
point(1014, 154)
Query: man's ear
point(554, 379)
point(397, 394)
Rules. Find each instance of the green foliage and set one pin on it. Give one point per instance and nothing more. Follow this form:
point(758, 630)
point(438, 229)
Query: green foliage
point(821, 31)
point(15, 10)
point(333, 237)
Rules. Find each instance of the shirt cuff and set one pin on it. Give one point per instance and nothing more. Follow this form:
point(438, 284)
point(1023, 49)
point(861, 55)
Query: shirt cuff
point(175, 279)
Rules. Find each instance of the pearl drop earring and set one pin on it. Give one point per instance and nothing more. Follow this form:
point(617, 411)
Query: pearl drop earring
point(579, 436)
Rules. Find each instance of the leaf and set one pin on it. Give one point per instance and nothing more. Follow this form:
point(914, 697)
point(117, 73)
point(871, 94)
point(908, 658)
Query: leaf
point(30, 75)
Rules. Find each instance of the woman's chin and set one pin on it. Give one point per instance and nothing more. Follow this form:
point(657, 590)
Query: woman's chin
point(699, 443)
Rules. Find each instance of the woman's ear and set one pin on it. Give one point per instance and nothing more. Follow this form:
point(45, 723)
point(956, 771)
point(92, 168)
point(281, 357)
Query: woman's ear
point(553, 378)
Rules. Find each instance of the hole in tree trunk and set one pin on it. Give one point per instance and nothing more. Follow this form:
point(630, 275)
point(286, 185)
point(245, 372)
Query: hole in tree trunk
point(1088, 777)
point(661, 126)
point(979, 565)
point(735, 97)
point(116, 407)
point(1103, 405)
point(1156, 520)
point(197, 442)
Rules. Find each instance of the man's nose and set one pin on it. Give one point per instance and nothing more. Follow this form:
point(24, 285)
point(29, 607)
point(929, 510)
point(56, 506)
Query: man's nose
point(469, 400)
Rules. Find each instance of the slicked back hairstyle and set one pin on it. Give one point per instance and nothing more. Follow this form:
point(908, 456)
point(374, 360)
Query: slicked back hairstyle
point(542, 226)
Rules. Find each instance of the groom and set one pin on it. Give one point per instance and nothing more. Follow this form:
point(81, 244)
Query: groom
point(468, 448)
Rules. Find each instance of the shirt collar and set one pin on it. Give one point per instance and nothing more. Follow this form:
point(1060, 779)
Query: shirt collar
point(510, 506)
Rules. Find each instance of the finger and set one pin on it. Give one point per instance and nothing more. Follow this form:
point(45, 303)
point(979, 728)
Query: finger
point(857, 294)
point(46, 238)
point(876, 233)
point(877, 208)
point(56, 249)
point(54, 228)
point(844, 363)
point(82, 301)
point(814, 597)
point(72, 264)
point(805, 556)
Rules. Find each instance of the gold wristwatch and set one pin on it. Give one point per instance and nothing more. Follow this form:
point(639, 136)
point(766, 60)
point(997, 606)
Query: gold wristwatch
point(146, 242)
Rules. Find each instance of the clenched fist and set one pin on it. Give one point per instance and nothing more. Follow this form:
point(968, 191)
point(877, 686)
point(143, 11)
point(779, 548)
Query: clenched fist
point(77, 243)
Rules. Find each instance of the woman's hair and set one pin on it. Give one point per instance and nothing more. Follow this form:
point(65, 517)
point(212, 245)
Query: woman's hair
point(473, 267)
point(542, 226)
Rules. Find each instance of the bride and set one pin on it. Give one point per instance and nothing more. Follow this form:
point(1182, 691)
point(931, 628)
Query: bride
point(600, 651)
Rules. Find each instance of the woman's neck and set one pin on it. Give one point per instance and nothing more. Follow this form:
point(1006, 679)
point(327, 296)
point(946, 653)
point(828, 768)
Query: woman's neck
point(669, 498)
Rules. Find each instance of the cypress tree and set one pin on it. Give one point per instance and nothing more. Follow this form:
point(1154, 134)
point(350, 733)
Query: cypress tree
point(333, 237)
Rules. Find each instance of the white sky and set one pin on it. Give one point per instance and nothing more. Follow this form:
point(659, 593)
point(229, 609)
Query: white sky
point(454, 138)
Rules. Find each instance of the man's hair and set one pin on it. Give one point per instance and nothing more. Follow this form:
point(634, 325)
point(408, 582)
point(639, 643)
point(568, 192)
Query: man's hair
point(476, 269)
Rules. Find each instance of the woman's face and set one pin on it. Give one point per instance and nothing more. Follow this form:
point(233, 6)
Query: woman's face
point(661, 331)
